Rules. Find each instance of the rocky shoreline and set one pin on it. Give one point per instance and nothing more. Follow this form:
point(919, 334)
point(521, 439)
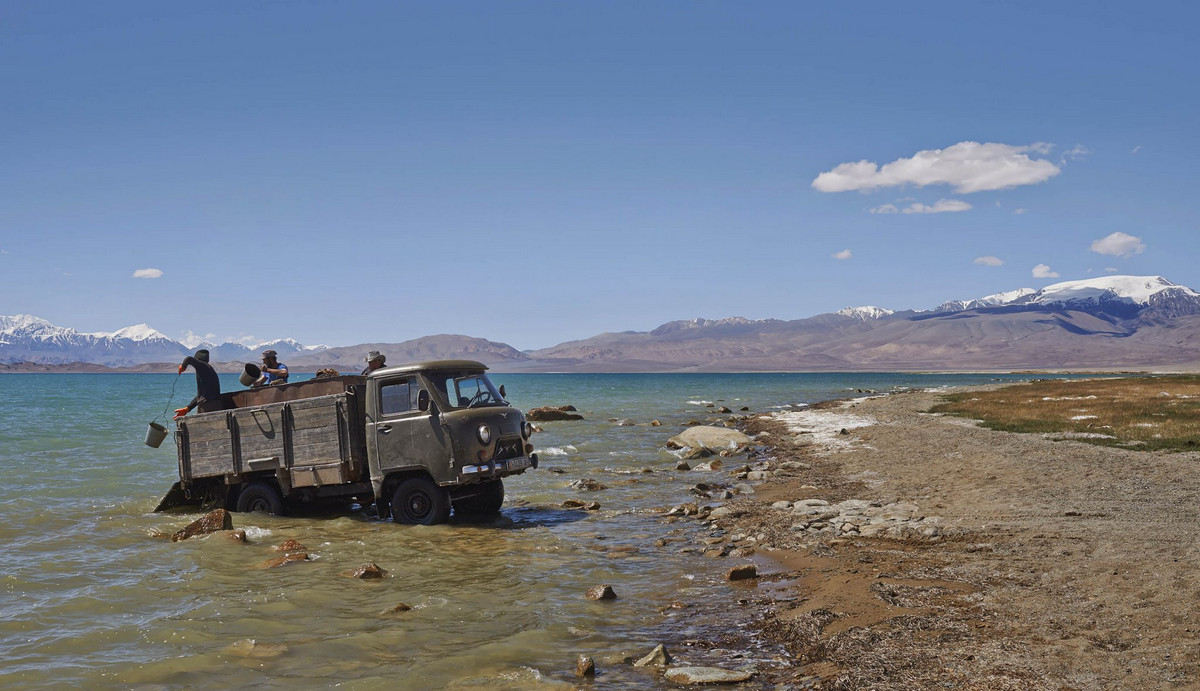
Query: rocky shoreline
point(899, 550)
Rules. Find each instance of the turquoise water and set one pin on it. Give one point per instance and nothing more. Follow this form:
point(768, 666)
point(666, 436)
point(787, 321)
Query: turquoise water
point(88, 595)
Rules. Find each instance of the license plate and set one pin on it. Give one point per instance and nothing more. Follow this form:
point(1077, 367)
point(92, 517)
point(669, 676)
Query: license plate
point(518, 463)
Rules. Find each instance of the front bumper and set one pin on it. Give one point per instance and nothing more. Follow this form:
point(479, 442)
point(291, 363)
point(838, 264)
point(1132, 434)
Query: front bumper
point(508, 466)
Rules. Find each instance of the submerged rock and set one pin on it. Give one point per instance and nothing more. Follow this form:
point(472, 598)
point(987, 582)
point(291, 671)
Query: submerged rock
point(211, 522)
point(289, 546)
point(366, 571)
point(397, 608)
point(248, 647)
point(601, 592)
point(289, 558)
point(585, 666)
point(709, 437)
point(588, 485)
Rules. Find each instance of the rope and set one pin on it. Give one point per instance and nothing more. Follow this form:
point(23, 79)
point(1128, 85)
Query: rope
point(166, 409)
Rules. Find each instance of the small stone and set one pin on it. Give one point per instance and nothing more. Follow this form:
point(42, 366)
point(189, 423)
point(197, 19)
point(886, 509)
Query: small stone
point(585, 666)
point(238, 535)
point(601, 592)
point(742, 573)
point(397, 608)
point(682, 465)
point(656, 658)
point(705, 675)
point(655, 423)
point(365, 572)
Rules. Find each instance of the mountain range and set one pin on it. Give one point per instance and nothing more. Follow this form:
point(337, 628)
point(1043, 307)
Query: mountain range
point(1110, 322)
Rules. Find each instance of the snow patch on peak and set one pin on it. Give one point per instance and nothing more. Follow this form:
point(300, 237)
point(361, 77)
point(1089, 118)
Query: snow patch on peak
point(22, 321)
point(865, 312)
point(1137, 289)
point(138, 332)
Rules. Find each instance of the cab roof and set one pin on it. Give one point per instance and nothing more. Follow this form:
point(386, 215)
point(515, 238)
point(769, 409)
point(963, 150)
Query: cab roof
point(432, 365)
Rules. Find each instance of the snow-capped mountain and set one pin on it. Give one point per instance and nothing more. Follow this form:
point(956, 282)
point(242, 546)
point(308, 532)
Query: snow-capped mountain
point(1120, 296)
point(25, 338)
point(866, 312)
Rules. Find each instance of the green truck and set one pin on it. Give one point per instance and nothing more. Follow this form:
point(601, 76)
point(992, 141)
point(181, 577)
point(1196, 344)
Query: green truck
point(417, 441)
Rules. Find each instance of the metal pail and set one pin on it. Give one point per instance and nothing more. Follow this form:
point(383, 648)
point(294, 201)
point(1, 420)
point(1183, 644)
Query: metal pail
point(155, 435)
point(250, 375)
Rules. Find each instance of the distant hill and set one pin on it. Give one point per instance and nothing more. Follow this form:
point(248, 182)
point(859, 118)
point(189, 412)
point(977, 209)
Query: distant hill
point(1112, 322)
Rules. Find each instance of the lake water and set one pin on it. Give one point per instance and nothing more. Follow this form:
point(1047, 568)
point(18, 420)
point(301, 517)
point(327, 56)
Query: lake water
point(89, 597)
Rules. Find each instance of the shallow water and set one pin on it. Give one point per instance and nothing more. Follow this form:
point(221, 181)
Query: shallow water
point(88, 596)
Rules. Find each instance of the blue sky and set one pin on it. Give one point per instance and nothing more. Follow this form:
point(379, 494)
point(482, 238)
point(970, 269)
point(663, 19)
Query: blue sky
point(537, 172)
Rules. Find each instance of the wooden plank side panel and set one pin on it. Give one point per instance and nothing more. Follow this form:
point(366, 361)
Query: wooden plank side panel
point(319, 441)
point(209, 450)
point(260, 432)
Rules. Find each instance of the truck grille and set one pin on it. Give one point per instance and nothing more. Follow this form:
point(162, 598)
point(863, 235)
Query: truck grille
point(509, 448)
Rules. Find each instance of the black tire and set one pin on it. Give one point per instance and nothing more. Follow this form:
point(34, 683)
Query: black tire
point(486, 503)
point(260, 496)
point(419, 501)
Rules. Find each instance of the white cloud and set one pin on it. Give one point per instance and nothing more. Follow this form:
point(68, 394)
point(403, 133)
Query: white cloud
point(1111, 269)
point(1136, 149)
point(989, 260)
point(1019, 212)
point(844, 254)
point(1118, 245)
point(148, 273)
point(192, 339)
point(968, 166)
point(940, 207)
point(1043, 271)
point(1078, 152)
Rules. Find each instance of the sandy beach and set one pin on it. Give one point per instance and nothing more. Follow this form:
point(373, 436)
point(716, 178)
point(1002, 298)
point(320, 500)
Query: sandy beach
point(911, 550)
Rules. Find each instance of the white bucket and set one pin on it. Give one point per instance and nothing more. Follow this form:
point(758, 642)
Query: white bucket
point(155, 434)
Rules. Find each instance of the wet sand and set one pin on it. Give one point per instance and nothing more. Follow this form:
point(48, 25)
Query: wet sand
point(920, 551)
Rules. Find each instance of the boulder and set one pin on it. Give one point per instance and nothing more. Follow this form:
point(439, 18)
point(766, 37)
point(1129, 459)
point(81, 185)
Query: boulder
point(553, 413)
point(585, 666)
point(705, 675)
point(709, 437)
point(211, 522)
point(289, 546)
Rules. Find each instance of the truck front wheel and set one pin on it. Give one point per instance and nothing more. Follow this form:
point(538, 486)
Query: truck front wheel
point(260, 496)
point(419, 501)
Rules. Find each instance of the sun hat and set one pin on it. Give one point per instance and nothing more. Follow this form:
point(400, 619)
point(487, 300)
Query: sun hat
point(375, 355)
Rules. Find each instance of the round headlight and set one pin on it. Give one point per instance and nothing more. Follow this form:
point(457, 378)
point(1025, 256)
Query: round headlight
point(485, 434)
point(526, 430)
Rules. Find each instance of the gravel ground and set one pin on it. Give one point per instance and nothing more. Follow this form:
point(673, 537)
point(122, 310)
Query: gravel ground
point(914, 551)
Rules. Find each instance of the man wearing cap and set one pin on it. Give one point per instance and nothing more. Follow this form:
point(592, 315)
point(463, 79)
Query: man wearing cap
point(208, 384)
point(273, 371)
point(374, 361)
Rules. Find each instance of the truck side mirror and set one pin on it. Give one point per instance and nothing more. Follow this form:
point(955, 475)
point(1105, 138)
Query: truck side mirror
point(423, 401)
point(502, 395)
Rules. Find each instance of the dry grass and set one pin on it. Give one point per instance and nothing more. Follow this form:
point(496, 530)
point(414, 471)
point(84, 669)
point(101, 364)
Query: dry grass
point(1160, 413)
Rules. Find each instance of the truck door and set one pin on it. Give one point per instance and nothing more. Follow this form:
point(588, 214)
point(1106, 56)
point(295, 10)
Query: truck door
point(401, 435)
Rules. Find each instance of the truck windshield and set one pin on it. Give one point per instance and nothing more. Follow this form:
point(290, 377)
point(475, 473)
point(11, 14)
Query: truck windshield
point(467, 391)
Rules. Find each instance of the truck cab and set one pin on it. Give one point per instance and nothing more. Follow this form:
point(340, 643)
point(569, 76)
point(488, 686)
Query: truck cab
point(418, 441)
point(442, 423)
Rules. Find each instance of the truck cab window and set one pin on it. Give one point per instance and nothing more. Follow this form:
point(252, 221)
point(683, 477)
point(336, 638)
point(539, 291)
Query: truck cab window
point(397, 397)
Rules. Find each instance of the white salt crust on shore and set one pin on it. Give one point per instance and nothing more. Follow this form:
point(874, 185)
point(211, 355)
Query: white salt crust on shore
point(824, 427)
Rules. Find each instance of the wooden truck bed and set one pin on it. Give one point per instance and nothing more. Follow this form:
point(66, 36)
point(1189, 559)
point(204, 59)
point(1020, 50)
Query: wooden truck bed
point(308, 441)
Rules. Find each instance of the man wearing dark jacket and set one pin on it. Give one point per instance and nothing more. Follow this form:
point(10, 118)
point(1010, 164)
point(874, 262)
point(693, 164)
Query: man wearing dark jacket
point(208, 384)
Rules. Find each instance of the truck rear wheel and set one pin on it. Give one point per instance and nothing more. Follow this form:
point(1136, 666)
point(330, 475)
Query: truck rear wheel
point(486, 503)
point(419, 501)
point(260, 496)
